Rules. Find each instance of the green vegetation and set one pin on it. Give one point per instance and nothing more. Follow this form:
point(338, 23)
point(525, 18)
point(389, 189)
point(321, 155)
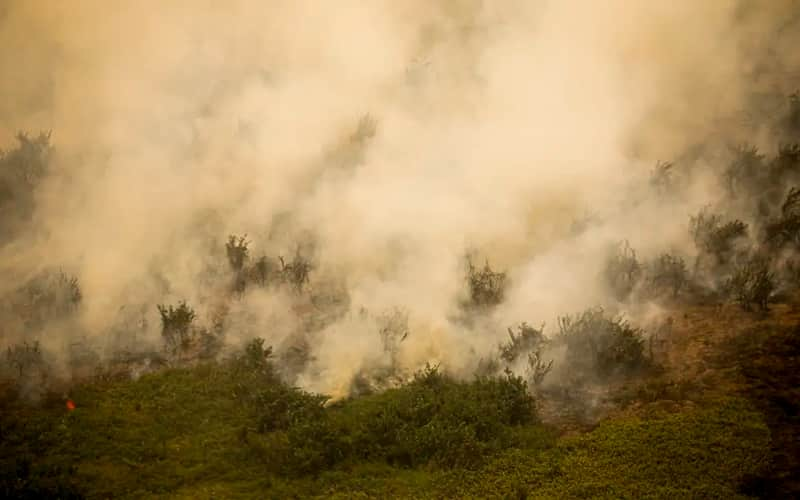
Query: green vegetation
point(232, 430)
point(702, 414)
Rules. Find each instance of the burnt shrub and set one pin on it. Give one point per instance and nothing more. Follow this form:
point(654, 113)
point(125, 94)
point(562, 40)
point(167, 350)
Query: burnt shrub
point(176, 326)
point(264, 271)
point(785, 167)
point(486, 286)
point(714, 239)
point(746, 172)
point(667, 274)
point(785, 229)
point(752, 284)
point(50, 295)
point(792, 119)
point(537, 368)
point(527, 343)
point(238, 254)
point(24, 358)
point(661, 179)
point(21, 171)
point(601, 346)
point(526, 339)
point(295, 272)
point(622, 271)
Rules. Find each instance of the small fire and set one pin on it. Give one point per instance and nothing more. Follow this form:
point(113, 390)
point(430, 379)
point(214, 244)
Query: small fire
point(70, 405)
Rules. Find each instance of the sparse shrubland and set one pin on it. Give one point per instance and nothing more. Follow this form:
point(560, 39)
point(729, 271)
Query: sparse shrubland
point(323, 356)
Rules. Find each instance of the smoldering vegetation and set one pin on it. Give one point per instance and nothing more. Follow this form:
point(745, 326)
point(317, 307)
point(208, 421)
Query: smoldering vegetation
point(417, 194)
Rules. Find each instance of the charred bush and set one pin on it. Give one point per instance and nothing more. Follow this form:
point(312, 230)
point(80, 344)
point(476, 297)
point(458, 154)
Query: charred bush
point(264, 271)
point(486, 287)
point(785, 230)
point(393, 329)
point(295, 272)
point(667, 274)
point(237, 252)
point(601, 346)
point(537, 368)
point(793, 114)
point(526, 339)
point(24, 358)
point(21, 171)
point(716, 239)
point(746, 171)
point(176, 326)
point(786, 165)
point(48, 296)
point(623, 271)
point(752, 284)
point(661, 179)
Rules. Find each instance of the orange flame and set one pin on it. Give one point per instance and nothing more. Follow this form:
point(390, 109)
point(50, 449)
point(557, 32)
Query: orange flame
point(70, 405)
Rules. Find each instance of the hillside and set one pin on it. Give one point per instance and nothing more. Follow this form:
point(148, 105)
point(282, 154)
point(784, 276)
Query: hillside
point(720, 420)
point(400, 249)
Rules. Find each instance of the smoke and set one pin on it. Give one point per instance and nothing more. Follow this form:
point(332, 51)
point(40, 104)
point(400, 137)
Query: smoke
point(389, 137)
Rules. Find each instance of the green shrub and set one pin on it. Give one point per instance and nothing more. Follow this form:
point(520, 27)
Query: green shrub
point(432, 419)
point(279, 407)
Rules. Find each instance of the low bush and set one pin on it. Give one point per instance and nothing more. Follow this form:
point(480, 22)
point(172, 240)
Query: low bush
point(599, 346)
point(432, 419)
point(667, 274)
point(486, 286)
point(716, 239)
point(752, 284)
point(176, 326)
point(623, 271)
point(784, 230)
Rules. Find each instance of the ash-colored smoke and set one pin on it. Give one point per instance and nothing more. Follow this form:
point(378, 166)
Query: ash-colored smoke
point(496, 125)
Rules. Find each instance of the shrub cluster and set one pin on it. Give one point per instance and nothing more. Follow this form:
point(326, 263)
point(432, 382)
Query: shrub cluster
point(434, 419)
